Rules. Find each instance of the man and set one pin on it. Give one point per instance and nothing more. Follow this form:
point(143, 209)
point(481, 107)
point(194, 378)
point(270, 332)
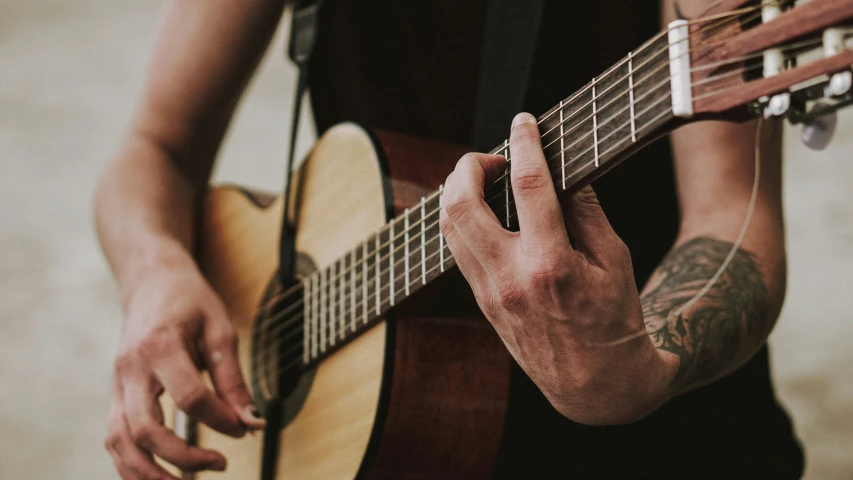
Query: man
point(691, 399)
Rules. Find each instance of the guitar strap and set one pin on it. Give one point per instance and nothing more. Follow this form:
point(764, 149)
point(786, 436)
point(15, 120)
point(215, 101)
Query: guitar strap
point(303, 37)
point(512, 29)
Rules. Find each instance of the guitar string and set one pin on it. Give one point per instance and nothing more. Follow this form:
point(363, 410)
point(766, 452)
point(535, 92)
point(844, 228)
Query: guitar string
point(334, 301)
point(554, 110)
point(336, 305)
point(343, 273)
point(344, 325)
point(570, 118)
point(281, 295)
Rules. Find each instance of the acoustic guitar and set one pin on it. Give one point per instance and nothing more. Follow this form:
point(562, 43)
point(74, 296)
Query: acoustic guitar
point(367, 375)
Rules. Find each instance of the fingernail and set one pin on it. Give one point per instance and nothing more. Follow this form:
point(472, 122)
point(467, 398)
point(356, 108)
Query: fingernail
point(522, 118)
point(218, 465)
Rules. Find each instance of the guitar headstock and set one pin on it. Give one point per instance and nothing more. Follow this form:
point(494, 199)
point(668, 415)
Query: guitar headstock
point(769, 58)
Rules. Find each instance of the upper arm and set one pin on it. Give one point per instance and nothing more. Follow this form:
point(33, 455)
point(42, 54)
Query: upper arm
point(205, 53)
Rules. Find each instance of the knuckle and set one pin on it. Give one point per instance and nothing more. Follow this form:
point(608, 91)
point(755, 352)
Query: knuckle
point(529, 178)
point(193, 399)
point(468, 160)
point(144, 434)
point(226, 338)
point(510, 295)
point(125, 362)
point(457, 206)
point(111, 442)
point(586, 202)
point(156, 343)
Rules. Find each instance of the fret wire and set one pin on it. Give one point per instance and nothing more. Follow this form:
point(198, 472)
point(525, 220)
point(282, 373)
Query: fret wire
point(440, 236)
point(377, 275)
point(365, 263)
point(506, 180)
point(594, 123)
point(342, 292)
point(423, 241)
point(562, 145)
point(332, 303)
point(306, 327)
point(323, 310)
point(631, 96)
point(406, 249)
point(391, 260)
point(352, 286)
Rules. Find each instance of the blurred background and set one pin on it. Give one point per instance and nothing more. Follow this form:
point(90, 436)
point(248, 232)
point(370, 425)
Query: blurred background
point(70, 75)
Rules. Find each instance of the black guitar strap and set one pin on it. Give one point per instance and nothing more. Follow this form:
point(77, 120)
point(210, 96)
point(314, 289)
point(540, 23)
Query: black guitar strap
point(512, 29)
point(303, 37)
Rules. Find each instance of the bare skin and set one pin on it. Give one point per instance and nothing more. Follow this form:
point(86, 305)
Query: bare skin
point(546, 303)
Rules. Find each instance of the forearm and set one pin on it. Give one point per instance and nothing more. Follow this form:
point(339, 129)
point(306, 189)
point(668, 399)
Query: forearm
point(145, 210)
point(722, 330)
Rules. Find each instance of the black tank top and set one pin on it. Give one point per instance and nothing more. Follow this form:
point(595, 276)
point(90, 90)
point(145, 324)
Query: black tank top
point(411, 66)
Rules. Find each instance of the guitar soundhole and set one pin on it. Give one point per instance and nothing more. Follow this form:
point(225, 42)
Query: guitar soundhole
point(277, 368)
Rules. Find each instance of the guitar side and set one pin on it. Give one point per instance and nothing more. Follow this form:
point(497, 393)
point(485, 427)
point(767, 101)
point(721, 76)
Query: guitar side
point(423, 395)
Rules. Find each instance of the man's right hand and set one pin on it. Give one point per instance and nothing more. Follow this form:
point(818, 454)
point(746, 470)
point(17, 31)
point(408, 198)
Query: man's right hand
point(176, 327)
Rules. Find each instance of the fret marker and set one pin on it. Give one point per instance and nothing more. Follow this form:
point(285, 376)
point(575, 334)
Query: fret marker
point(423, 240)
point(563, 144)
point(441, 236)
point(406, 239)
point(306, 324)
point(631, 96)
point(594, 122)
point(391, 262)
point(679, 69)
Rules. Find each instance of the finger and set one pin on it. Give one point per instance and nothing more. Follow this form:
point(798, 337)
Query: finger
point(463, 204)
point(173, 368)
point(592, 232)
point(131, 461)
point(539, 216)
point(145, 421)
point(219, 348)
point(467, 263)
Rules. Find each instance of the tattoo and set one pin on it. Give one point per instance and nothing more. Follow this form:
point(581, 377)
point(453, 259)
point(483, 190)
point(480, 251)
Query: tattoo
point(709, 334)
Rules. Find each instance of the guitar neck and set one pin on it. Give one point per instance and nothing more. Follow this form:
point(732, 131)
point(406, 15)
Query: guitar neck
point(583, 137)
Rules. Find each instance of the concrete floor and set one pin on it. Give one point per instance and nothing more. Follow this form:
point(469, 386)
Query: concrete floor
point(70, 71)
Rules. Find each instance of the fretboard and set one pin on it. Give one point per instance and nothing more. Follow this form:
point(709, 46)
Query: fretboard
point(583, 137)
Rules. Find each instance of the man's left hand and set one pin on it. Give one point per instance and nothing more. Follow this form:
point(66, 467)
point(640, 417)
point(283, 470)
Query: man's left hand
point(555, 305)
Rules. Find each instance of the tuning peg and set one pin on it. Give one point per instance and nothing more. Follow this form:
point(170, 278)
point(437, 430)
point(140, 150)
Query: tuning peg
point(818, 133)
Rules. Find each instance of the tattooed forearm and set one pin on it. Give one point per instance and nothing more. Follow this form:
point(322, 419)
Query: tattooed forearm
point(711, 333)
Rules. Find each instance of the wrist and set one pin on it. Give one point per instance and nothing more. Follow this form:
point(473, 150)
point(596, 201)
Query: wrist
point(162, 256)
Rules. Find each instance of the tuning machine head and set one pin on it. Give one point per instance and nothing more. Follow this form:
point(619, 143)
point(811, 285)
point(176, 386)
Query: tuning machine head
point(818, 132)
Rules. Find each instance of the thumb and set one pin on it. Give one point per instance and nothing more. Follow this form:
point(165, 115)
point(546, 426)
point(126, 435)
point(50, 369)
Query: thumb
point(220, 344)
point(587, 224)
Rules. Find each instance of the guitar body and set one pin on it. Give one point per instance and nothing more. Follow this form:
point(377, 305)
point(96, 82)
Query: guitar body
point(419, 395)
